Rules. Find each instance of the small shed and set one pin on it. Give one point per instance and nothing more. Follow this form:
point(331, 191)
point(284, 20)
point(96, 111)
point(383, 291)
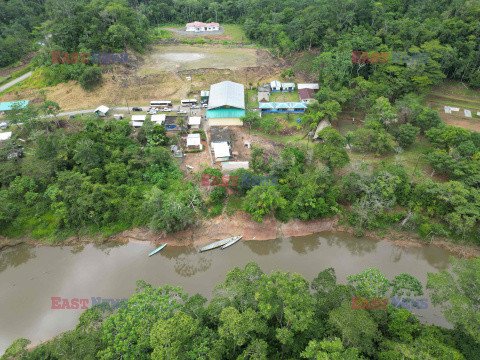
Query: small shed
point(221, 151)
point(194, 122)
point(306, 95)
point(194, 141)
point(276, 85)
point(230, 166)
point(288, 86)
point(158, 119)
point(313, 86)
point(102, 110)
point(204, 94)
point(137, 120)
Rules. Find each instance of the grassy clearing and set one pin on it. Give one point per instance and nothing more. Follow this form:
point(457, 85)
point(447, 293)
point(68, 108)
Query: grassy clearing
point(234, 203)
point(236, 33)
point(284, 96)
point(290, 119)
point(306, 62)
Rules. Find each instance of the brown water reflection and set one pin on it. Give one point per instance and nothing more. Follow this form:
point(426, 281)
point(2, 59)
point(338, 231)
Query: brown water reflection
point(30, 276)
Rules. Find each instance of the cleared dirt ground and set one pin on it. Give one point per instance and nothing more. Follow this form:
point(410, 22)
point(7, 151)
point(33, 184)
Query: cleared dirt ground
point(156, 77)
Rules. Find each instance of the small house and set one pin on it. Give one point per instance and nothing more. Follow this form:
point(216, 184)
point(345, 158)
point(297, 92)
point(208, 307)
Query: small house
point(194, 122)
point(221, 151)
point(194, 141)
point(306, 95)
point(198, 26)
point(263, 93)
point(137, 120)
point(102, 110)
point(158, 119)
point(288, 86)
point(5, 135)
point(275, 85)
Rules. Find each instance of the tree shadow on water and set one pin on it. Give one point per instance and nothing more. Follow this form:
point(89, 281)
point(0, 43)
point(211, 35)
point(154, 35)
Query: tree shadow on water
point(16, 256)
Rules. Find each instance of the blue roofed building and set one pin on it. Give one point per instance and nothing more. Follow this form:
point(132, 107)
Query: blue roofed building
point(7, 106)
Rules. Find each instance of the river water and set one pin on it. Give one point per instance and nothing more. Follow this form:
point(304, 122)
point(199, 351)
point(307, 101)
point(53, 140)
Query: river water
point(31, 276)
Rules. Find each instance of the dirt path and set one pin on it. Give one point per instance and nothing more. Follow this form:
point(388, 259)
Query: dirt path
point(17, 80)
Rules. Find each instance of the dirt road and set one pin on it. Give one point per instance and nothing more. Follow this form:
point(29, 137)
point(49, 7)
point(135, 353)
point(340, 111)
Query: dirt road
point(17, 80)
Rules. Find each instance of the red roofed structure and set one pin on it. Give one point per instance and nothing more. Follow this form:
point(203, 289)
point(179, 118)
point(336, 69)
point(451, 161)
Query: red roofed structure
point(198, 26)
point(306, 95)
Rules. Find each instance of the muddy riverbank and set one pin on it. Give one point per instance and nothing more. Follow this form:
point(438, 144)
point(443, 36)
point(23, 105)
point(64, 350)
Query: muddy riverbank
point(241, 223)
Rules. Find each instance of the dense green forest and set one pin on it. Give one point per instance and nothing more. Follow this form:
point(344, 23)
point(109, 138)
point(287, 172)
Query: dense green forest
point(447, 30)
point(252, 315)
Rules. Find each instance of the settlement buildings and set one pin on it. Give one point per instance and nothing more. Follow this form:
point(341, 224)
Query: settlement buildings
point(198, 26)
point(306, 91)
point(226, 104)
point(102, 110)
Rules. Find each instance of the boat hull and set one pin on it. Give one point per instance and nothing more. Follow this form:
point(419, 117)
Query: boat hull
point(157, 250)
point(216, 244)
point(231, 242)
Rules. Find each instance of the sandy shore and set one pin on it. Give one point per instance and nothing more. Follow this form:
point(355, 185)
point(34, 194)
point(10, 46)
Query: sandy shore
point(225, 226)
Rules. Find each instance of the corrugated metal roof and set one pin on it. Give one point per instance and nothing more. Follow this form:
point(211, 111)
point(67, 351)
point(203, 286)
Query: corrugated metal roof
point(102, 108)
point(225, 113)
point(312, 86)
point(5, 106)
point(221, 149)
point(158, 118)
point(5, 135)
point(227, 93)
point(194, 120)
point(139, 117)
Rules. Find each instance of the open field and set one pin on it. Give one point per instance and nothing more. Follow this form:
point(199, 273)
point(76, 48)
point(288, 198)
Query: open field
point(455, 94)
point(185, 57)
point(156, 76)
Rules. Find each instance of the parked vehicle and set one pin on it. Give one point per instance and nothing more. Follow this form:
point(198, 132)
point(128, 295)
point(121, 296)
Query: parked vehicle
point(3, 125)
point(205, 105)
point(194, 107)
point(167, 109)
point(152, 112)
point(181, 111)
point(137, 109)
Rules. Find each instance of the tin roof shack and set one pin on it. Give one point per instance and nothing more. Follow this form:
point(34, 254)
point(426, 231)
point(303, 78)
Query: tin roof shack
point(221, 151)
point(306, 95)
point(102, 110)
point(194, 122)
point(313, 86)
point(137, 120)
point(194, 141)
point(204, 95)
point(288, 86)
point(172, 123)
point(158, 119)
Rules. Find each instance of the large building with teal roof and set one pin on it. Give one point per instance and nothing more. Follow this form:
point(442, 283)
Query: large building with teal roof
point(226, 104)
point(7, 106)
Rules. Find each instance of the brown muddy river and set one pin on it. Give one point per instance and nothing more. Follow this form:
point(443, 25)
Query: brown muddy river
point(31, 276)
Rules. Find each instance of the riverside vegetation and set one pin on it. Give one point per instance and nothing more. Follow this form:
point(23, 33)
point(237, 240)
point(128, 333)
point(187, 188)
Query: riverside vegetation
point(253, 315)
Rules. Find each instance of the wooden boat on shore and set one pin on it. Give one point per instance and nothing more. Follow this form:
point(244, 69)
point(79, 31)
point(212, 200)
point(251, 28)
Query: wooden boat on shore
point(217, 244)
point(230, 243)
point(157, 249)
